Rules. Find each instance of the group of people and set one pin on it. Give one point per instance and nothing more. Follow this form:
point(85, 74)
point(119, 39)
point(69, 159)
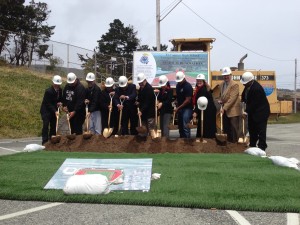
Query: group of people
point(103, 106)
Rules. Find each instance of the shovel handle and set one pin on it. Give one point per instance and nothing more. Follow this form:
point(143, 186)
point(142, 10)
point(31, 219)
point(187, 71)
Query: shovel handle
point(68, 119)
point(221, 117)
point(202, 115)
point(140, 120)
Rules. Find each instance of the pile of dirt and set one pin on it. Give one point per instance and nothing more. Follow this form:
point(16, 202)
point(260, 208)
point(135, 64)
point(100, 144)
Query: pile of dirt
point(137, 144)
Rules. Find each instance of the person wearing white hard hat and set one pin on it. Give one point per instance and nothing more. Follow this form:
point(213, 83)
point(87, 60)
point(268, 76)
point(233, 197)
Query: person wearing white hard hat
point(108, 94)
point(257, 110)
point(93, 100)
point(49, 108)
point(73, 103)
point(184, 109)
point(146, 102)
point(202, 89)
point(165, 108)
point(126, 95)
point(230, 105)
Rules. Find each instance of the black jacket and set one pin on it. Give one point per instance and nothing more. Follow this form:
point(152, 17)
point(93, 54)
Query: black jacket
point(165, 97)
point(73, 97)
point(94, 95)
point(257, 105)
point(50, 100)
point(146, 98)
point(129, 91)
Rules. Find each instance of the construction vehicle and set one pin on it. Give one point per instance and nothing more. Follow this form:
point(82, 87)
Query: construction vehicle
point(185, 57)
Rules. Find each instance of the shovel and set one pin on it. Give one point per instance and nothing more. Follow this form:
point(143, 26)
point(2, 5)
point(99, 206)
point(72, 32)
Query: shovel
point(120, 118)
point(244, 139)
point(87, 134)
point(70, 136)
point(173, 126)
point(56, 138)
point(108, 131)
point(192, 124)
point(221, 138)
point(142, 130)
point(202, 121)
point(155, 133)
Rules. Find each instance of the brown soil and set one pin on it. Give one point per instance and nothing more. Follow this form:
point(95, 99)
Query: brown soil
point(136, 144)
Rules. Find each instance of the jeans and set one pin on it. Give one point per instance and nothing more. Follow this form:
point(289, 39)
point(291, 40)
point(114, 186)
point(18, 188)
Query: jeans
point(95, 125)
point(184, 117)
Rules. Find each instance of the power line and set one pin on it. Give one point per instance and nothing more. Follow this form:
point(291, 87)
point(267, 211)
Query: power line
point(231, 38)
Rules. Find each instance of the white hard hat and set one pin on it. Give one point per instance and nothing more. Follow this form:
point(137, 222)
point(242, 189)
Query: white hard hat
point(200, 77)
point(226, 71)
point(180, 76)
point(202, 103)
point(57, 80)
point(71, 77)
point(109, 82)
point(123, 81)
point(90, 77)
point(141, 77)
point(246, 77)
point(163, 80)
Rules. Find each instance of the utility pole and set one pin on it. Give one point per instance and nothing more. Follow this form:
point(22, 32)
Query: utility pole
point(159, 19)
point(158, 25)
point(295, 88)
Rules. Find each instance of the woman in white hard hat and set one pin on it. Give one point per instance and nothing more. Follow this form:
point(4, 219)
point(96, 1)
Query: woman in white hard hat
point(202, 89)
point(165, 108)
point(49, 108)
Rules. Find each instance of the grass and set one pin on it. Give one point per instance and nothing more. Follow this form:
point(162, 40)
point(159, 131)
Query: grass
point(285, 119)
point(222, 181)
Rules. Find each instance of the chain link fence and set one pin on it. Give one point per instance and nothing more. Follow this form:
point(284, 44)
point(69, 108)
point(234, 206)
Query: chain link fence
point(60, 58)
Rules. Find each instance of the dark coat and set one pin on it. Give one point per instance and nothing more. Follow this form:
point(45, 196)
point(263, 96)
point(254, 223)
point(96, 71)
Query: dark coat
point(146, 98)
point(257, 105)
point(209, 115)
point(129, 91)
point(73, 98)
point(50, 100)
point(94, 95)
point(166, 97)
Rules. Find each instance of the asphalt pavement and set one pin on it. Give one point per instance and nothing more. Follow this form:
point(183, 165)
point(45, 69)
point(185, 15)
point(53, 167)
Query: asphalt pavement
point(283, 140)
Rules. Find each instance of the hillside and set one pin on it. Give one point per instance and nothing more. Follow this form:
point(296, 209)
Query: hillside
point(21, 92)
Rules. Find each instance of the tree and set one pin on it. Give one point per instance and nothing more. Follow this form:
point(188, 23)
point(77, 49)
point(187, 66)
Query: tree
point(162, 47)
point(25, 30)
point(11, 12)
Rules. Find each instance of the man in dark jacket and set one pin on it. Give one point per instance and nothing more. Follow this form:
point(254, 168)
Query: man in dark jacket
point(73, 103)
point(146, 102)
point(184, 92)
point(126, 93)
point(49, 108)
point(257, 110)
point(93, 100)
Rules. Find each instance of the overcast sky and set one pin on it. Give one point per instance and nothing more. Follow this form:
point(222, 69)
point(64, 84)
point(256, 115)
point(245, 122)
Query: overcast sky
point(262, 29)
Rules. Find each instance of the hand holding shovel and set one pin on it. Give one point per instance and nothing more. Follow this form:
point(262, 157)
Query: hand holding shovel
point(120, 116)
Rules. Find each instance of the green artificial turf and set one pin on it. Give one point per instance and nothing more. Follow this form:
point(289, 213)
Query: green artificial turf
point(222, 181)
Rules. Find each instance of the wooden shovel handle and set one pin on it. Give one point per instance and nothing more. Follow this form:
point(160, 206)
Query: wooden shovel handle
point(140, 120)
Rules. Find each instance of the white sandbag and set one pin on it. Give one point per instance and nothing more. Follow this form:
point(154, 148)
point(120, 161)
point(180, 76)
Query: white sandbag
point(33, 147)
point(87, 184)
point(155, 176)
point(286, 162)
point(255, 151)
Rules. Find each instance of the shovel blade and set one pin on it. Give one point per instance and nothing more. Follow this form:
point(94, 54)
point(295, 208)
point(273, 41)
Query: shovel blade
point(141, 130)
point(221, 139)
point(71, 136)
point(107, 132)
point(55, 139)
point(87, 135)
